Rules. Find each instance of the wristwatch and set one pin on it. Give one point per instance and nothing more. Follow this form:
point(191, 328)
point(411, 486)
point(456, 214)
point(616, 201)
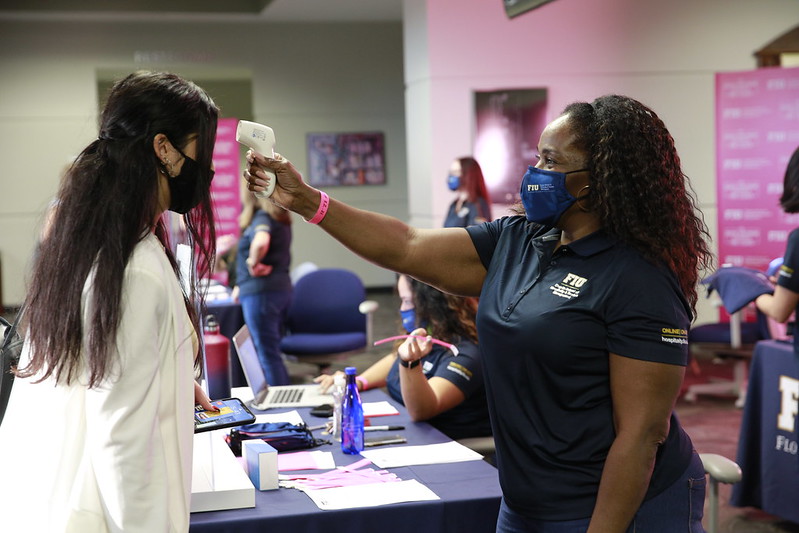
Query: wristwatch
point(409, 364)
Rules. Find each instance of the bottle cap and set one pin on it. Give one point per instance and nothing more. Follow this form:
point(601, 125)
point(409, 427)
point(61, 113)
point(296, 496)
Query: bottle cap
point(350, 371)
point(211, 325)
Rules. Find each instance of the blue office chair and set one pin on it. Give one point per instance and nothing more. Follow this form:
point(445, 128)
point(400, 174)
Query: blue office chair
point(329, 318)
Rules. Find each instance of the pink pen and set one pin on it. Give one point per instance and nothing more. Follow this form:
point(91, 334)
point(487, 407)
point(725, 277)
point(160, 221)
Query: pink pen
point(451, 347)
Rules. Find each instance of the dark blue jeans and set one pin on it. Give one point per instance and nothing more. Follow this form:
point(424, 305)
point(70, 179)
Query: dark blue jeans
point(265, 315)
point(678, 509)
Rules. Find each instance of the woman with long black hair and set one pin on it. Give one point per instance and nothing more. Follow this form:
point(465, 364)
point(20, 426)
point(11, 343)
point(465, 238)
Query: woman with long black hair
point(112, 349)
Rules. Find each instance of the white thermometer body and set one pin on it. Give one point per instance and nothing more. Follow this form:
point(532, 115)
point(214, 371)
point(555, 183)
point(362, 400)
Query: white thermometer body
point(261, 139)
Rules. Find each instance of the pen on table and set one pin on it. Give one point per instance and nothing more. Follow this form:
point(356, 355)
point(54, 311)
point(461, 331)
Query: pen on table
point(383, 428)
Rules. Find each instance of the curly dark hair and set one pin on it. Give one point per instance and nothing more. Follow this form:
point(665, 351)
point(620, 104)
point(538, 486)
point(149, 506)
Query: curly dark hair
point(638, 188)
point(790, 187)
point(107, 203)
point(449, 318)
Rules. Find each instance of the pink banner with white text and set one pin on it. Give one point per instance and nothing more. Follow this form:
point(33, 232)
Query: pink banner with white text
point(757, 130)
point(225, 187)
point(225, 192)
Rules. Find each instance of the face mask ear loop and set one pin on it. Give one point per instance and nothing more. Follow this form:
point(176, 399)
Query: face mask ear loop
point(581, 198)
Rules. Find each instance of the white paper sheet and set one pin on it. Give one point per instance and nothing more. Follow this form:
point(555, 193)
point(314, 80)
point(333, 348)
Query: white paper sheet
point(371, 495)
point(379, 409)
point(428, 454)
point(292, 417)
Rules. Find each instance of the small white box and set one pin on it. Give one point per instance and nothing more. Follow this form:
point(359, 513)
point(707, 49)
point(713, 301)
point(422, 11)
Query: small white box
point(261, 461)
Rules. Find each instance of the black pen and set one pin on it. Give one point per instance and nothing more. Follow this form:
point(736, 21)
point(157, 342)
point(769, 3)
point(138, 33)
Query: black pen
point(383, 428)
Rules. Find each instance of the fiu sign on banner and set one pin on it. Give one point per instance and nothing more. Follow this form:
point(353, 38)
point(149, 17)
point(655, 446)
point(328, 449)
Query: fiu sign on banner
point(757, 130)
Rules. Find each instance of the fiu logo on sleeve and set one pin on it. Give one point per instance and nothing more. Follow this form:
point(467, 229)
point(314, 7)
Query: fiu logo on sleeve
point(674, 335)
point(786, 420)
point(570, 286)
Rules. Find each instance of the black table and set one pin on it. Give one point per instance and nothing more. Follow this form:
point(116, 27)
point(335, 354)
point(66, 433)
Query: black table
point(469, 492)
point(769, 442)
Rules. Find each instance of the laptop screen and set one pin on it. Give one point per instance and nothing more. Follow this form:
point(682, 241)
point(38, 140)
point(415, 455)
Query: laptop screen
point(248, 357)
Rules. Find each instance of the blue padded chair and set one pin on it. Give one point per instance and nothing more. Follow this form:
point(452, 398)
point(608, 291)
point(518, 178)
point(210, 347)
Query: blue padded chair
point(328, 318)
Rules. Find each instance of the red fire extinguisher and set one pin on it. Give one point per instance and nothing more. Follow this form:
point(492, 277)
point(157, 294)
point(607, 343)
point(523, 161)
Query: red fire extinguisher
point(217, 360)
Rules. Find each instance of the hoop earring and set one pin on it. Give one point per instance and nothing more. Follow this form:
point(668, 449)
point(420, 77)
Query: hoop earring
point(168, 165)
point(580, 199)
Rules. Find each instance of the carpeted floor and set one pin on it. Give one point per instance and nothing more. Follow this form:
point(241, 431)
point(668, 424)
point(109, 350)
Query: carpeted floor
point(712, 422)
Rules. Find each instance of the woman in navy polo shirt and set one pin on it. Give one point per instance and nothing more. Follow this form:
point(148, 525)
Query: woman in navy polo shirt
point(471, 204)
point(785, 300)
point(443, 388)
point(586, 297)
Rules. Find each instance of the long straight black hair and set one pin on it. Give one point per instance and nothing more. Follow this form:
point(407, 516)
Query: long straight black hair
point(107, 203)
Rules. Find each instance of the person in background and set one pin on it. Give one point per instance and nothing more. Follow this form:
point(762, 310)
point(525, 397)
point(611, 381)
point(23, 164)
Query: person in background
point(472, 204)
point(112, 342)
point(444, 389)
point(263, 283)
point(586, 296)
point(785, 301)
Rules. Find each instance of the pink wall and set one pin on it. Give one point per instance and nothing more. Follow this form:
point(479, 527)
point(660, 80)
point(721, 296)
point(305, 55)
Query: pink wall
point(665, 54)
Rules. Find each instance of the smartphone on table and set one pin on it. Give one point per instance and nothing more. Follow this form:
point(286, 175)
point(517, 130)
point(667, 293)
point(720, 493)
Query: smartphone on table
point(232, 412)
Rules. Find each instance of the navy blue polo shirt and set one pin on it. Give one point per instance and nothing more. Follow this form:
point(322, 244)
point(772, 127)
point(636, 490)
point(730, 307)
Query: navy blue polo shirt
point(470, 417)
point(278, 255)
point(467, 215)
point(547, 323)
point(788, 274)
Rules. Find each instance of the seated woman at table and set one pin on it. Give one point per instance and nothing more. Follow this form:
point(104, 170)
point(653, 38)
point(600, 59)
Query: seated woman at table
point(437, 387)
point(785, 300)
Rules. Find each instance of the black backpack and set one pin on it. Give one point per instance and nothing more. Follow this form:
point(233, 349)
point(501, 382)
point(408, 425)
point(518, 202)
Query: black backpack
point(9, 358)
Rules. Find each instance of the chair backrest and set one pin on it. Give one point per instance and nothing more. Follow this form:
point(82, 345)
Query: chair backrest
point(301, 270)
point(326, 301)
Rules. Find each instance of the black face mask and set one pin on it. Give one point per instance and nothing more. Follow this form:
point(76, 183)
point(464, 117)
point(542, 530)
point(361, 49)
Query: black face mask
point(187, 188)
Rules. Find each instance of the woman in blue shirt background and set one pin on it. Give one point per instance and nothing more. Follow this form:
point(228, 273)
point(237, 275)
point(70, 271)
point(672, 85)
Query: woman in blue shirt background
point(263, 283)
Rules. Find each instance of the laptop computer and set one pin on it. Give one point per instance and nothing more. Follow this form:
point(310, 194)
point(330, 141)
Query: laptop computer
point(279, 396)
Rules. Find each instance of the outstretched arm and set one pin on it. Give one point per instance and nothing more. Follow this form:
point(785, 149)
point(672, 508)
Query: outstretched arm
point(444, 258)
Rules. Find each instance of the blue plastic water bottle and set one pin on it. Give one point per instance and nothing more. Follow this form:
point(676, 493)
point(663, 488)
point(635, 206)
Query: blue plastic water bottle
point(351, 416)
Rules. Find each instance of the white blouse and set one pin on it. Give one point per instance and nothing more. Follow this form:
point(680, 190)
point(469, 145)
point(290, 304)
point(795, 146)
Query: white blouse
point(117, 457)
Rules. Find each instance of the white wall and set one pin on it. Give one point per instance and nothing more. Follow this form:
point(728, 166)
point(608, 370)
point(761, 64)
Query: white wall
point(306, 78)
point(665, 54)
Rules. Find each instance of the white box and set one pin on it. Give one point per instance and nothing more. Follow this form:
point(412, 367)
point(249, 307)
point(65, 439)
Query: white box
point(261, 461)
point(218, 480)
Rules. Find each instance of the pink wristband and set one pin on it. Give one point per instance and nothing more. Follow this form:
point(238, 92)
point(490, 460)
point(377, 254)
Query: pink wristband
point(363, 381)
point(324, 202)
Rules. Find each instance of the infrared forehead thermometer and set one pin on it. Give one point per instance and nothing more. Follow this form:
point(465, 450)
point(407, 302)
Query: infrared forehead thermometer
point(261, 139)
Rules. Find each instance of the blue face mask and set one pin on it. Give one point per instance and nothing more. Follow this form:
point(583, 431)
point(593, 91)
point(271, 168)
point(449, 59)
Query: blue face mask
point(408, 319)
point(544, 195)
point(453, 182)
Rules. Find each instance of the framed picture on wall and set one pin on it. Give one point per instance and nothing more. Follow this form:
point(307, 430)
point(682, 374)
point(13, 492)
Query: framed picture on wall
point(346, 159)
point(508, 124)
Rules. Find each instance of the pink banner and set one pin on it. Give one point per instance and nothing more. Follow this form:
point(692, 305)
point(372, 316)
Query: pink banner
point(225, 187)
point(757, 130)
point(225, 192)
